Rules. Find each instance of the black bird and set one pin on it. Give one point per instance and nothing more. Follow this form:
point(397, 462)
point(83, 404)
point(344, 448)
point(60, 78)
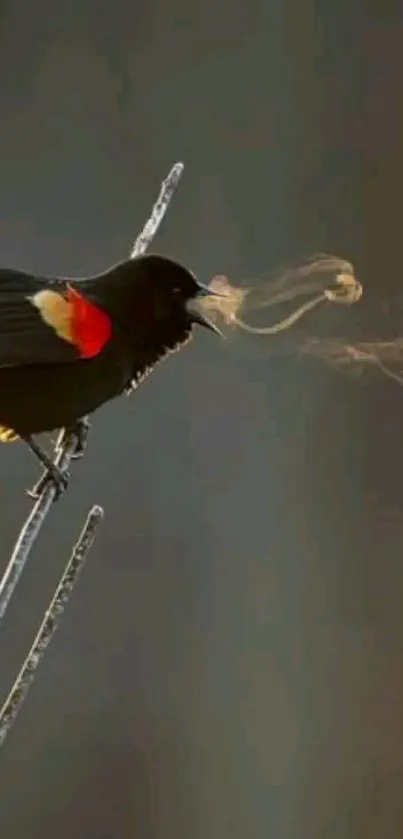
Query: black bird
point(68, 345)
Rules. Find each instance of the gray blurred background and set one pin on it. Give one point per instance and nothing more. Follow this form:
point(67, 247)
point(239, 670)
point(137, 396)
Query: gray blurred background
point(230, 666)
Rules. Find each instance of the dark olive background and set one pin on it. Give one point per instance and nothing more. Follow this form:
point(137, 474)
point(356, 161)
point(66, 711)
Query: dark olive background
point(230, 666)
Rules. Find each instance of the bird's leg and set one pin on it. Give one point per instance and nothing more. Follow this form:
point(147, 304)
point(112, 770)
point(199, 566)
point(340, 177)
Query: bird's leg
point(52, 472)
point(80, 431)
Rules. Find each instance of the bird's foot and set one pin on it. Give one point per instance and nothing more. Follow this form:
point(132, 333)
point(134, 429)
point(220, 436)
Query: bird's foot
point(76, 434)
point(80, 431)
point(52, 475)
point(58, 477)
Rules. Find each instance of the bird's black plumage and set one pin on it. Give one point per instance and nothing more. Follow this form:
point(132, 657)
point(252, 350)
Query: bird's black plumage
point(45, 384)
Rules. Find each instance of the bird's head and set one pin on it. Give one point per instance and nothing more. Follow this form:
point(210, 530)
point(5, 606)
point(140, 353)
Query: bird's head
point(171, 292)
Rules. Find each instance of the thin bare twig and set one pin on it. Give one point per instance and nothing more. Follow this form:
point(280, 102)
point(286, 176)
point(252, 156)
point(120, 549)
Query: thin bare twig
point(50, 622)
point(36, 518)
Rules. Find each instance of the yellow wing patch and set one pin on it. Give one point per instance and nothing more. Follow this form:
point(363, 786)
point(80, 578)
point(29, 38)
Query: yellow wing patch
point(7, 435)
point(56, 311)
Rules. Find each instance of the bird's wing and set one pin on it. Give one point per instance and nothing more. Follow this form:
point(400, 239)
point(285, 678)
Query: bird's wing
point(47, 321)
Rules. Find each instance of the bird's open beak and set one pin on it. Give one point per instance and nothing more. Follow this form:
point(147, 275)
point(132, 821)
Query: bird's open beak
point(197, 316)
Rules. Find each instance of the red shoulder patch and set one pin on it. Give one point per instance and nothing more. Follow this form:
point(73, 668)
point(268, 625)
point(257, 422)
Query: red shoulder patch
point(91, 327)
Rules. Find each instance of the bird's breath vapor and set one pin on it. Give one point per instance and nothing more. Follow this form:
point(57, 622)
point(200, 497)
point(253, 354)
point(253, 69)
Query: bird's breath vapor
point(322, 278)
point(356, 357)
point(325, 278)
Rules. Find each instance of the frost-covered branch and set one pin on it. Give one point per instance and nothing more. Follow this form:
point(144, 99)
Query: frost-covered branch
point(50, 622)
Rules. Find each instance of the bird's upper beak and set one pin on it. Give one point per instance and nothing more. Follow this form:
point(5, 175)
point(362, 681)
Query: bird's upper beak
point(197, 316)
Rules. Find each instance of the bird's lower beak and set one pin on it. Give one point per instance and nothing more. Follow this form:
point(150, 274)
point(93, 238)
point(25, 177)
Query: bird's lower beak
point(197, 316)
point(203, 321)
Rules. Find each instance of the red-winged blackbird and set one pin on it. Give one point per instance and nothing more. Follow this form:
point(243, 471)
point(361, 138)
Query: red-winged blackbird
point(69, 345)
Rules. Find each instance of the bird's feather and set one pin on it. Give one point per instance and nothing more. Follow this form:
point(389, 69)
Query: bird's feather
point(45, 321)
